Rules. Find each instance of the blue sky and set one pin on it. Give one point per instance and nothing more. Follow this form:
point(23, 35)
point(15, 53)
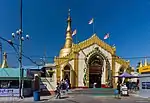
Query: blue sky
point(127, 21)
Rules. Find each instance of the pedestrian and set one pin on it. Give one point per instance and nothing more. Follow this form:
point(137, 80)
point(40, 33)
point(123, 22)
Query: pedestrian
point(58, 94)
point(67, 85)
point(118, 88)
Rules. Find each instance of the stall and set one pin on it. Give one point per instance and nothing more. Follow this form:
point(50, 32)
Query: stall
point(9, 82)
point(124, 88)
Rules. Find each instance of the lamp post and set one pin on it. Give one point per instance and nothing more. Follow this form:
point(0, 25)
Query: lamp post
point(1, 52)
point(43, 61)
point(18, 35)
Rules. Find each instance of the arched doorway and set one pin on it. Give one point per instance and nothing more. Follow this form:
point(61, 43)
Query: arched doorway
point(95, 70)
point(66, 73)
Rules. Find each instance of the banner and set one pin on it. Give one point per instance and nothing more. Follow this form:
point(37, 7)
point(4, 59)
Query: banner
point(9, 92)
point(145, 85)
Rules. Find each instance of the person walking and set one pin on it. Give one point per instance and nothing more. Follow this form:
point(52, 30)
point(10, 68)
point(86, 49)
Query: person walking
point(119, 90)
point(58, 94)
point(67, 85)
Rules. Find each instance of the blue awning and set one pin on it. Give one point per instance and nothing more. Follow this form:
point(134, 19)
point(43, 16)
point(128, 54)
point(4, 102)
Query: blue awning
point(11, 72)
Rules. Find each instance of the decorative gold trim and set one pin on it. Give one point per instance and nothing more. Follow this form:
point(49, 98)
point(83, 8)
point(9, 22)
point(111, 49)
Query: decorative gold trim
point(113, 72)
point(93, 40)
point(121, 61)
point(105, 58)
point(76, 63)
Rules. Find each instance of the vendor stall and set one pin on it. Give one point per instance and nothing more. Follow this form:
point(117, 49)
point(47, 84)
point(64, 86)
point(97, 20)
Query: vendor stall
point(9, 82)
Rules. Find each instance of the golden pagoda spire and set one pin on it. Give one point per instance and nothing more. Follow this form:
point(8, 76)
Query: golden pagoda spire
point(68, 43)
point(4, 64)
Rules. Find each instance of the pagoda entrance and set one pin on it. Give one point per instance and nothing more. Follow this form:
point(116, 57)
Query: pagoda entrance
point(66, 73)
point(95, 71)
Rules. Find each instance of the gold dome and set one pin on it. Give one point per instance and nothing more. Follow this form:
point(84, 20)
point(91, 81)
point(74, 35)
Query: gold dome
point(64, 52)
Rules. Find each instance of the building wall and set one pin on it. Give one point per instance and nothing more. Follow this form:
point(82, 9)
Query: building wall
point(81, 67)
point(72, 78)
point(104, 74)
point(82, 63)
point(144, 90)
point(117, 67)
point(48, 84)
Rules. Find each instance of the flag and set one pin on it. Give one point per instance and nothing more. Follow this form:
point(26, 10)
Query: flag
point(91, 21)
point(74, 32)
point(114, 45)
point(106, 36)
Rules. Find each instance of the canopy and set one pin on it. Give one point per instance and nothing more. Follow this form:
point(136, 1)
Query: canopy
point(126, 75)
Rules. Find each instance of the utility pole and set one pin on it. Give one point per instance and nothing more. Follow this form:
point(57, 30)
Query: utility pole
point(19, 34)
point(1, 50)
point(21, 86)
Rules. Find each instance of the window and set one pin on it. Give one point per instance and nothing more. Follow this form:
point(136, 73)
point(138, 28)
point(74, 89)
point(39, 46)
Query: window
point(4, 84)
point(14, 84)
point(9, 84)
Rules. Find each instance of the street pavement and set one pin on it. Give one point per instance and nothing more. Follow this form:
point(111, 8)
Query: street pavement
point(78, 99)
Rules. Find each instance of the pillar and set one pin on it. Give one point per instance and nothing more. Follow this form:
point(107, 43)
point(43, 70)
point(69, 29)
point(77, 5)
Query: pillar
point(75, 72)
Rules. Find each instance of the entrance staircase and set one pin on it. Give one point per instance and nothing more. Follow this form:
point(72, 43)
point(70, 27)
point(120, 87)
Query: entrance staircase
point(93, 91)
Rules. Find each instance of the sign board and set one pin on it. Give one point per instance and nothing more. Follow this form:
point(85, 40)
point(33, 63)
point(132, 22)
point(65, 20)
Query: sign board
point(9, 92)
point(144, 85)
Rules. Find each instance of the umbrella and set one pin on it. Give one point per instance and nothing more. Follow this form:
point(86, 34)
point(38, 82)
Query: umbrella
point(126, 75)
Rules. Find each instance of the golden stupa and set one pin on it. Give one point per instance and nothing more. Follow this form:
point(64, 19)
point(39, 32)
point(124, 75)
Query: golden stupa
point(68, 44)
point(4, 64)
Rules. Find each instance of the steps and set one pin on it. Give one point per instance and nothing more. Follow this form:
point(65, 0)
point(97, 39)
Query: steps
point(93, 91)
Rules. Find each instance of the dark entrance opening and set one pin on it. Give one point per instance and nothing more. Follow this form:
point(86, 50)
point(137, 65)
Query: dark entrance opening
point(67, 74)
point(95, 71)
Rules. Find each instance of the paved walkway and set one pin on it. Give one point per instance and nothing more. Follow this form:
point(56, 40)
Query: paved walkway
point(65, 97)
point(31, 99)
point(27, 99)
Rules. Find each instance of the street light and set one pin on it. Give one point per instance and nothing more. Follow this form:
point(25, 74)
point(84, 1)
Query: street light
point(19, 36)
point(43, 61)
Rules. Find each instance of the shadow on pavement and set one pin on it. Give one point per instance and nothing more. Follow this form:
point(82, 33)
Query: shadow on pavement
point(44, 99)
point(72, 101)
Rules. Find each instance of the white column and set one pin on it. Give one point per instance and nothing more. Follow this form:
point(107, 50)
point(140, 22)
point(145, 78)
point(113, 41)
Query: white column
point(103, 73)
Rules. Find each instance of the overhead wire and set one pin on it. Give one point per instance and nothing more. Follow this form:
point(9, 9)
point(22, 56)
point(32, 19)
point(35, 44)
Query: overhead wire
point(12, 44)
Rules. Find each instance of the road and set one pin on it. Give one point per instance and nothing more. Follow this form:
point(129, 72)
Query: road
point(88, 99)
point(96, 99)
